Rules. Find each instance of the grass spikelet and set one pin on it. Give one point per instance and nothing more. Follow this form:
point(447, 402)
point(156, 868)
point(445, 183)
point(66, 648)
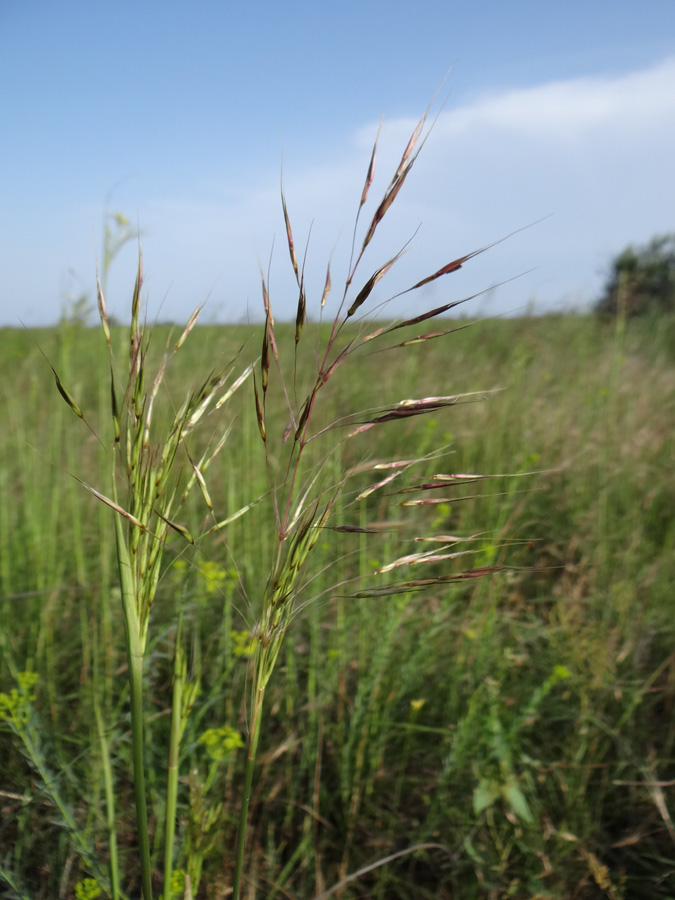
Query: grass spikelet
point(234, 387)
point(397, 182)
point(192, 321)
point(66, 396)
point(301, 312)
point(367, 289)
point(289, 235)
point(134, 331)
point(265, 357)
point(326, 287)
point(371, 170)
point(102, 311)
point(260, 415)
point(177, 527)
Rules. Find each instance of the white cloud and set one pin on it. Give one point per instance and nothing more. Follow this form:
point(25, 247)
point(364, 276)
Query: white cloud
point(594, 153)
point(574, 108)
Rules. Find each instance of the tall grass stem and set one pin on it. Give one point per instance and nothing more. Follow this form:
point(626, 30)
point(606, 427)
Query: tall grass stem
point(135, 661)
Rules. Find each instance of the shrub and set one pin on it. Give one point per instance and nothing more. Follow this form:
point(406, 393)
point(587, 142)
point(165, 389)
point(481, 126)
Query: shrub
point(642, 280)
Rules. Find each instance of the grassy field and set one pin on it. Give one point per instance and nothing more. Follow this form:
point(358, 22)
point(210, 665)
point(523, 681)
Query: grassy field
point(519, 726)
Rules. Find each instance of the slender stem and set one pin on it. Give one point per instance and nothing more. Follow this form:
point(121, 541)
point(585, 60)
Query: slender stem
point(135, 659)
point(172, 781)
point(136, 686)
point(109, 804)
point(248, 781)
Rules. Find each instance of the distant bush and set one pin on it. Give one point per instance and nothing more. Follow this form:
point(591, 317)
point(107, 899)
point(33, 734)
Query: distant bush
point(642, 280)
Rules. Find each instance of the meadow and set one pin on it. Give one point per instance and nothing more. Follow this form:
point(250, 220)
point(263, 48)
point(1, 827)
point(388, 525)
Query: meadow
point(501, 736)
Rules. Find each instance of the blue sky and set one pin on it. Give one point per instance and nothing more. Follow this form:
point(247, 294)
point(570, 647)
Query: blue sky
point(176, 114)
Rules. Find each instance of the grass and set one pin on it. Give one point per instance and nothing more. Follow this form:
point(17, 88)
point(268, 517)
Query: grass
point(502, 736)
point(391, 713)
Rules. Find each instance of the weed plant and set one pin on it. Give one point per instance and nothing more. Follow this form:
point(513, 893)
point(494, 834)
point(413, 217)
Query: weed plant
point(515, 732)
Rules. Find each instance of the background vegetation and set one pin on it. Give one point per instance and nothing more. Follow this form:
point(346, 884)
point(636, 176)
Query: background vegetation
point(642, 280)
point(522, 724)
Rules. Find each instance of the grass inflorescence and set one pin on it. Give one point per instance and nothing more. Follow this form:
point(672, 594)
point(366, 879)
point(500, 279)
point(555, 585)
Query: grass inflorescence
point(300, 683)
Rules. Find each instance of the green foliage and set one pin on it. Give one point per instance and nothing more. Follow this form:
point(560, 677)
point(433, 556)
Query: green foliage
point(552, 683)
point(410, 728)
point(221, 742)
point(642, 281)
point(16, 707)
point(87, 889)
